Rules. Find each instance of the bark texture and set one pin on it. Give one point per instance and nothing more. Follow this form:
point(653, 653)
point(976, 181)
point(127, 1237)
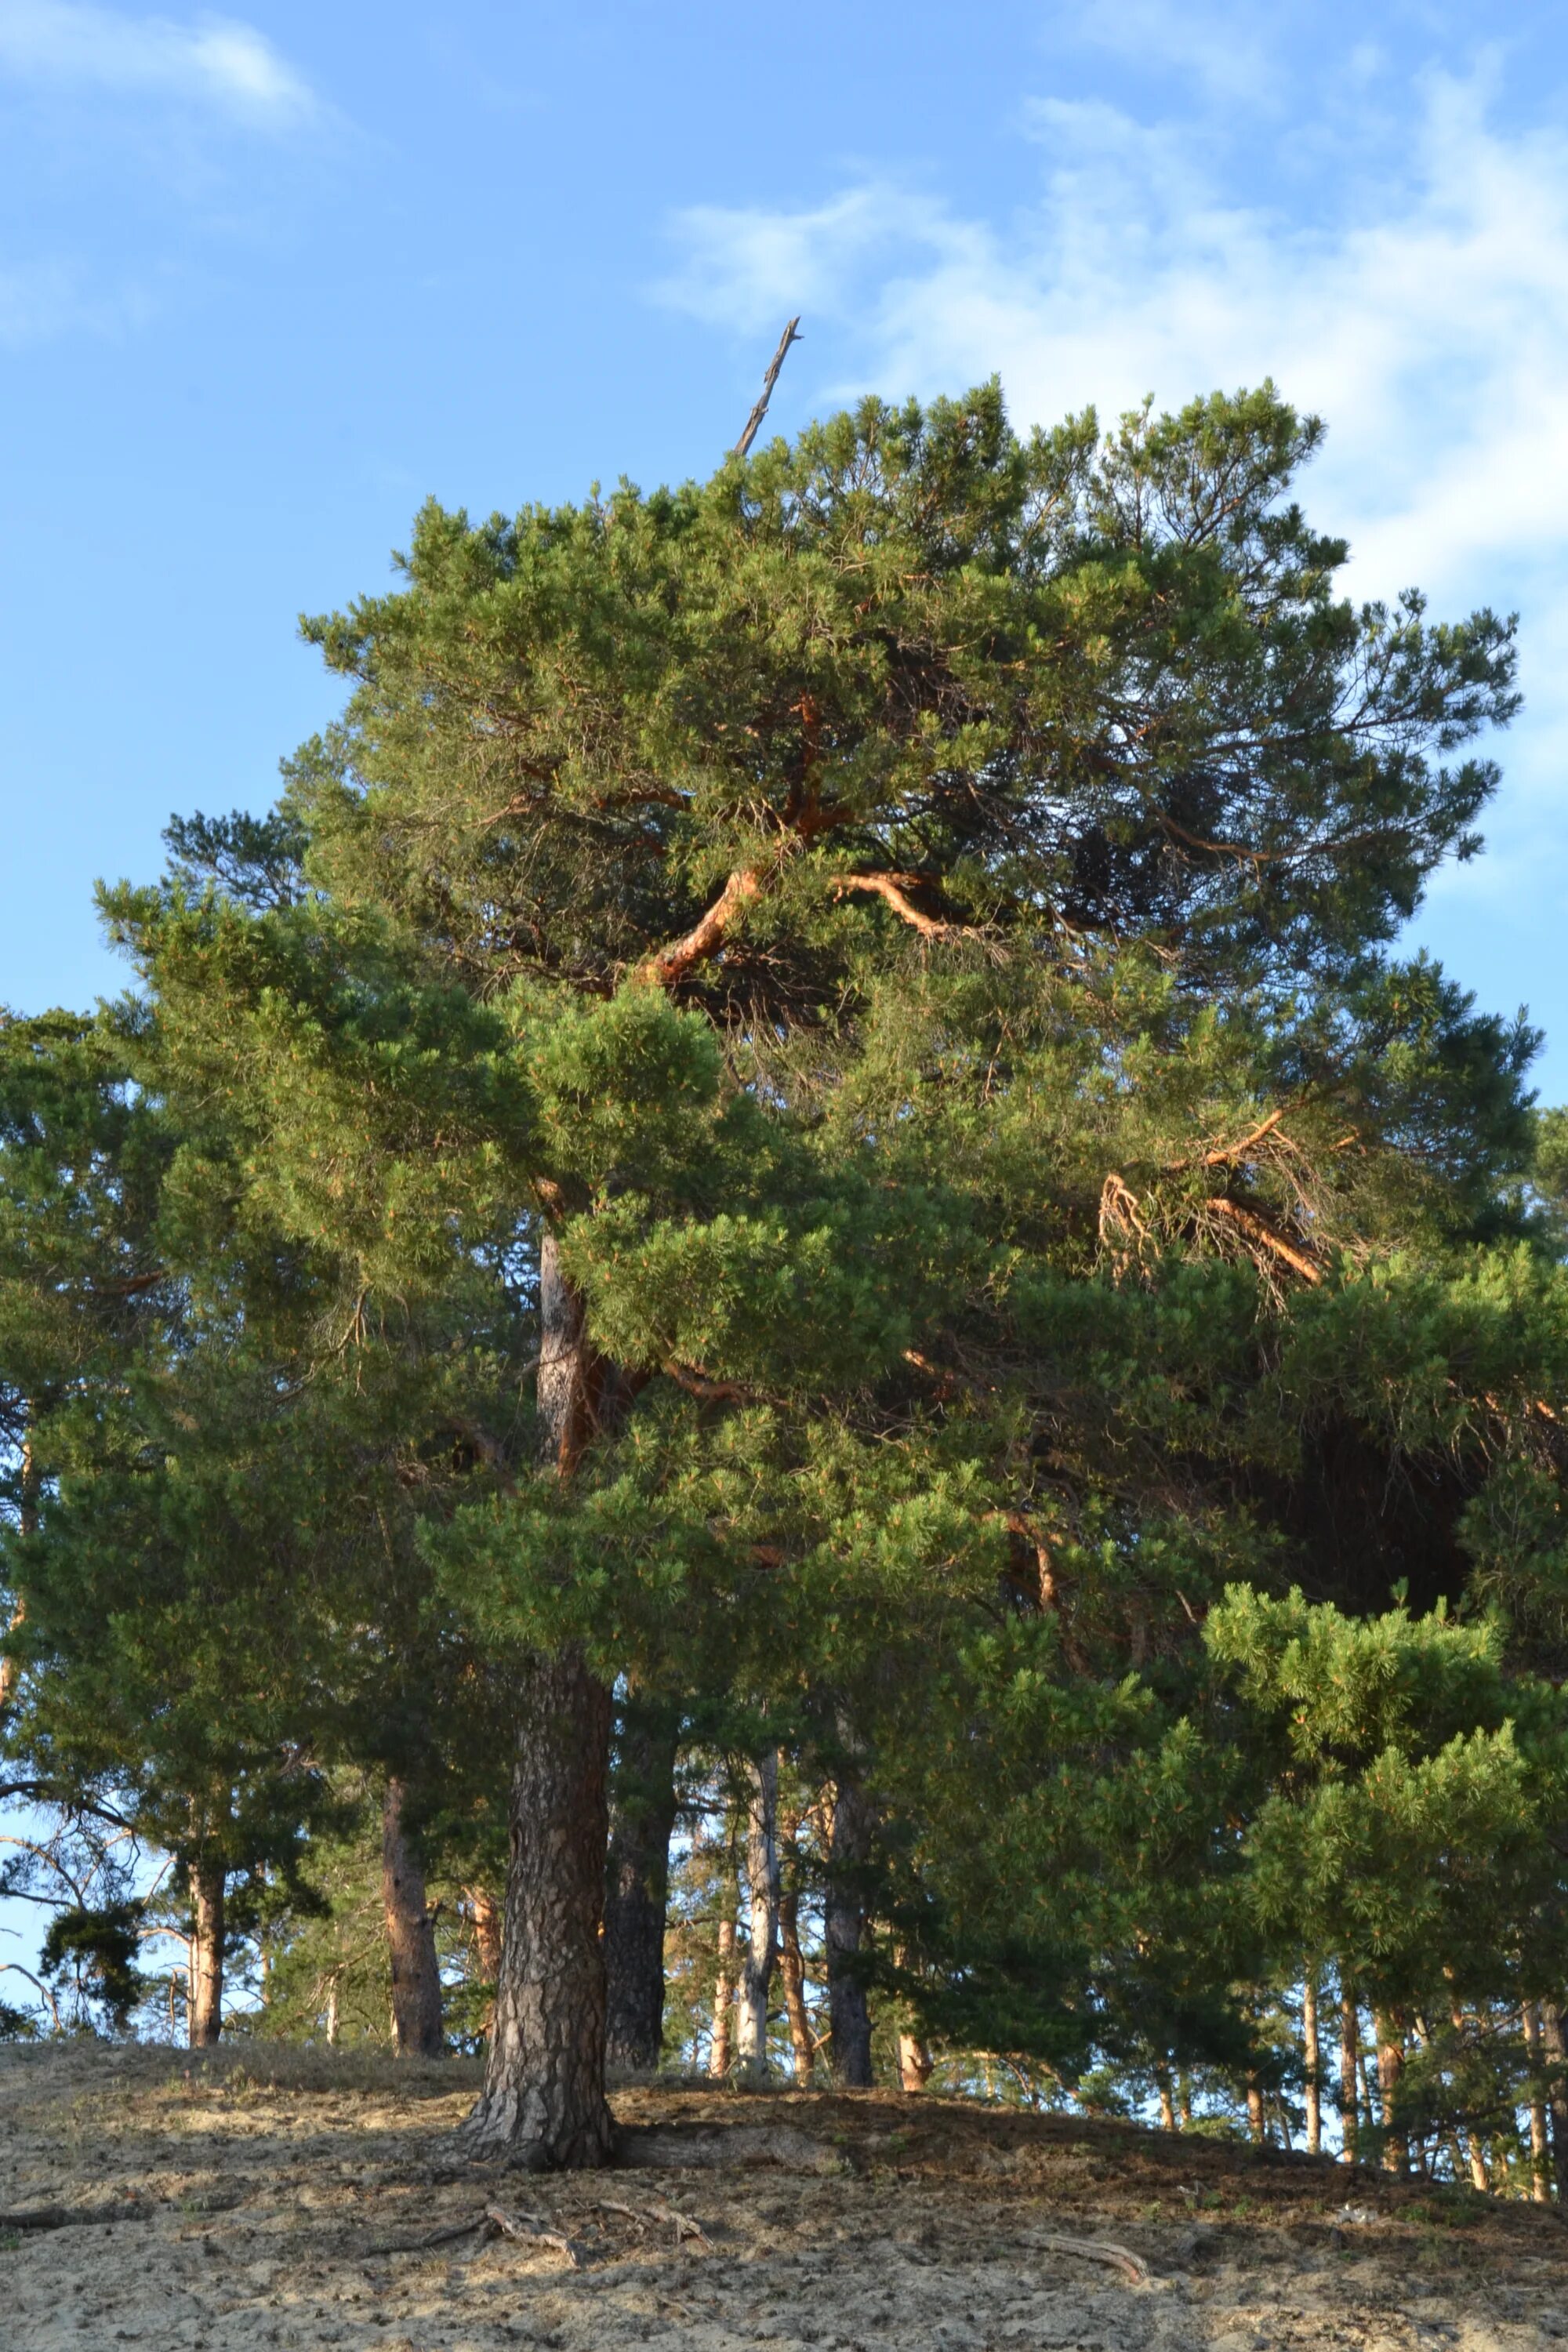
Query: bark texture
point(844, 1924)
point(1349, 2050)
point(1556, 2047)
point(410, 1937)
point(544, 2101)
point(203, 2013)
point(636, 1881)
point(1389, 2081)
point(763, 1891)
point(1540, 2152)
point(792, 1960)
point(723, 1996)
point(486, 1914)
point(1312, 2060)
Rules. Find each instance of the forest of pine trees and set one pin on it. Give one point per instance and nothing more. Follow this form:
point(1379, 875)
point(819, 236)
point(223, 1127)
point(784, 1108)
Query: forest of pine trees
point(782, 1340)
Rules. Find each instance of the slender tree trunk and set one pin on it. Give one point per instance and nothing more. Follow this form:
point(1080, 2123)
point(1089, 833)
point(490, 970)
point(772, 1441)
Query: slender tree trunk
point(849, 2015)
point(410, 1937)
point(636, 1881)
point(486, 1914)
point(792, 1962)
point(1184, 2100)
point(1167, 2104)
point(544, 2101)
point(1390, 2076)
point(1556, 2045)
point(10, 1667)
point(1256, 2123)
point(1311, 2056)
point(333, 2014)
point(1540, 2157)
point(723, 1997)
point(1349, 2056)
point(762, 1890)
point(203, 2009)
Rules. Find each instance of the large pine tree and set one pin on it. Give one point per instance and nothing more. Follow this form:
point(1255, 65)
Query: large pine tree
point(882, 960)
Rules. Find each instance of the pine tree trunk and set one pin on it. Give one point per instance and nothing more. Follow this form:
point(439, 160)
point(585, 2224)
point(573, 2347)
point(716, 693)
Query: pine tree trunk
point(1556, 2045)
point(1349, 2054)
point(544, 2101)
point(1257, 2126)
point(204, 2011)
point(1390, 2074)
point(849, 2015)
point(763, 1889)
point(410, 1937)
point(1311, 2063)
point(637, 1882)
point(1540, 2157)
point(10, 1667)
point(484, 1913)
point(1167, 2104)
point(723, 1994)
point(792, 1961)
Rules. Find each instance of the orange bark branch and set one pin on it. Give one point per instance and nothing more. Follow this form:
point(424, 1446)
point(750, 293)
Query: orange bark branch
point(1256, 1229)
point(667, 965)
point(891, 886)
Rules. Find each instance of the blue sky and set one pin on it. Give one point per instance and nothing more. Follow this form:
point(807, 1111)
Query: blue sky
point(268, 281)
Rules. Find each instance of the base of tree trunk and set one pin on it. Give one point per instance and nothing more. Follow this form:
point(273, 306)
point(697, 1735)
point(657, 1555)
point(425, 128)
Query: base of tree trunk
point(543, 2108)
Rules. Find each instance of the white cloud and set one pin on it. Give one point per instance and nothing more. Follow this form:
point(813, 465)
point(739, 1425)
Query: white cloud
point(214, 61)
point(1425, 318)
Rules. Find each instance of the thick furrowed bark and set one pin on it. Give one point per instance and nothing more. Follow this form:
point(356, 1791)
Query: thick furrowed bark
point(637, 1882)
point(849, 2015)
point(544, 2101)
point(410, 1938)
point(204, 2012)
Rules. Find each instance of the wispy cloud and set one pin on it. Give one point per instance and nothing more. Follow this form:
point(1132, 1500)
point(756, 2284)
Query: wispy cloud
point(1426, 317)
point(213, 62)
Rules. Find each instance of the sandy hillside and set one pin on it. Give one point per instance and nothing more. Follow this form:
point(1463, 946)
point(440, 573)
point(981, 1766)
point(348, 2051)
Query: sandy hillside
point(277, 2199)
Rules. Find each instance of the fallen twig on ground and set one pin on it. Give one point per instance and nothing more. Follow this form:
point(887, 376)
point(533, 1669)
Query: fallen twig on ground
point(685, 2224)
point(1132, 2266)
point(512, 2228)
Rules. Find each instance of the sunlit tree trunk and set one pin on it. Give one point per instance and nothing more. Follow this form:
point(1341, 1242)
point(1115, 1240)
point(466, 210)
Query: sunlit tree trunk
point(1540, 2154)
point(762, 1894)
point(1311, 2056)
point(1350, 2059)
point(792, 1962)
point(1256, 2125)
point(203, 2009)
point(1556, 2047)
point(723, 1997)
point(1167, 2104)
point(410, 1937)
point(1390, 2077)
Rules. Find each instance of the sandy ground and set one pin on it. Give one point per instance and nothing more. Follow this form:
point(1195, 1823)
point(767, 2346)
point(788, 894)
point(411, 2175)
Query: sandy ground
point(269, 2198)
